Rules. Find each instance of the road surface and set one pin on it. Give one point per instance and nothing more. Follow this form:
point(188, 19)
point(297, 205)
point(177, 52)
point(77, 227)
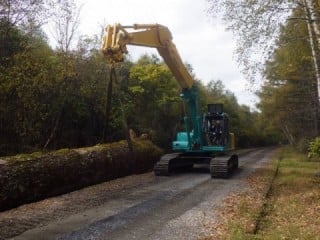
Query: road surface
point(144, 206)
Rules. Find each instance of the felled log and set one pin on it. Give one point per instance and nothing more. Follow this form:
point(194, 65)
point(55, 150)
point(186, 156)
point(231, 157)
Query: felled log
point(31, 177)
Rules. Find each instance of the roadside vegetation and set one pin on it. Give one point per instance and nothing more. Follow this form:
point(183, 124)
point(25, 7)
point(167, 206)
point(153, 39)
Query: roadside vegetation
point(281, 203)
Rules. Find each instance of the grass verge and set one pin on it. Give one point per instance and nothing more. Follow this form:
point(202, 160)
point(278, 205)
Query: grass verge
point(283, 202)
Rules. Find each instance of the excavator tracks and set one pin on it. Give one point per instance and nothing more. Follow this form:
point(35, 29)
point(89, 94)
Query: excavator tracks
point(163, 166)
point(220, 166)
point(223, 166)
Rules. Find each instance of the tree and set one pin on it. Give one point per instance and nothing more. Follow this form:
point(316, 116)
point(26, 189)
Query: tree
point(11, 42)
point(65, 23)
point(16, 16)
point(312, 9)
point(25, 89)
point(22, 12)
point(155, 94)
point(254, 23)
point(288, 97)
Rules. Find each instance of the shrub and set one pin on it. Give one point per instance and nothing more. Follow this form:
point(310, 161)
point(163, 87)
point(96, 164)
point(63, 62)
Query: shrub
point(314, 148)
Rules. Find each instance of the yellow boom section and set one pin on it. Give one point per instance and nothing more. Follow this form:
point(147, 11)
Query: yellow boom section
point(148, 35)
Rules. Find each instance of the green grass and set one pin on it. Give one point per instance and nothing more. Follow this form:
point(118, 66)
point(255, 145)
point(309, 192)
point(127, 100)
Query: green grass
point(291, 210)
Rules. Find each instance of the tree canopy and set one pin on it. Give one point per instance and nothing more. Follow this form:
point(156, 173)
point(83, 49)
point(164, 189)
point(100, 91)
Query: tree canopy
point(57, 98)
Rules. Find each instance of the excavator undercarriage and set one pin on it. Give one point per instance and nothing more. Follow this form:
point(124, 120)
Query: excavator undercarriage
point(219, 166)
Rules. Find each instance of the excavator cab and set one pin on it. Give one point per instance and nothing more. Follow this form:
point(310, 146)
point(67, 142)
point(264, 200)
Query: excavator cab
point(217, 136)
point(216, 126)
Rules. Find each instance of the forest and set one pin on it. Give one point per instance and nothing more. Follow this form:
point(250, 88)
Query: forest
point(63, 97)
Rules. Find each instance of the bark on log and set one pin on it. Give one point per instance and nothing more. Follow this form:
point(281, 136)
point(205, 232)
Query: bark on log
point(28, 178)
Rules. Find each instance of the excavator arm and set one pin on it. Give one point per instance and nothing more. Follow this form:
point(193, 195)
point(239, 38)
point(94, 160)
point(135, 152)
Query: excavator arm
point(114, 47)
point(157, 36)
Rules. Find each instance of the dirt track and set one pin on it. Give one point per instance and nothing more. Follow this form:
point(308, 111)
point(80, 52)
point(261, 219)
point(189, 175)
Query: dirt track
point(135, 207)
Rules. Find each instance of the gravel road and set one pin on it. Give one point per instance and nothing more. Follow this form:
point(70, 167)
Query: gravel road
point(135, 207)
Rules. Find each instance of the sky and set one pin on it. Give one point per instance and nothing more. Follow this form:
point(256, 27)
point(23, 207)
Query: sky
point(200, 39)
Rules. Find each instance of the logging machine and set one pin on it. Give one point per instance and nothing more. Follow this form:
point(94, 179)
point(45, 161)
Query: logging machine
point(206, 139)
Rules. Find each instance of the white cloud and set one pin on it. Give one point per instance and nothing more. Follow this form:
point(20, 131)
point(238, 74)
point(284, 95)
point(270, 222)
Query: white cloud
point(201, 41)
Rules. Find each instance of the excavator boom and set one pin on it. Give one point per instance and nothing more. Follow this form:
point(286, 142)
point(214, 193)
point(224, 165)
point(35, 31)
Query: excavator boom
point(116, 39)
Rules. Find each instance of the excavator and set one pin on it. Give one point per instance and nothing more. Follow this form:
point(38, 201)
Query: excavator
point(206, 139)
